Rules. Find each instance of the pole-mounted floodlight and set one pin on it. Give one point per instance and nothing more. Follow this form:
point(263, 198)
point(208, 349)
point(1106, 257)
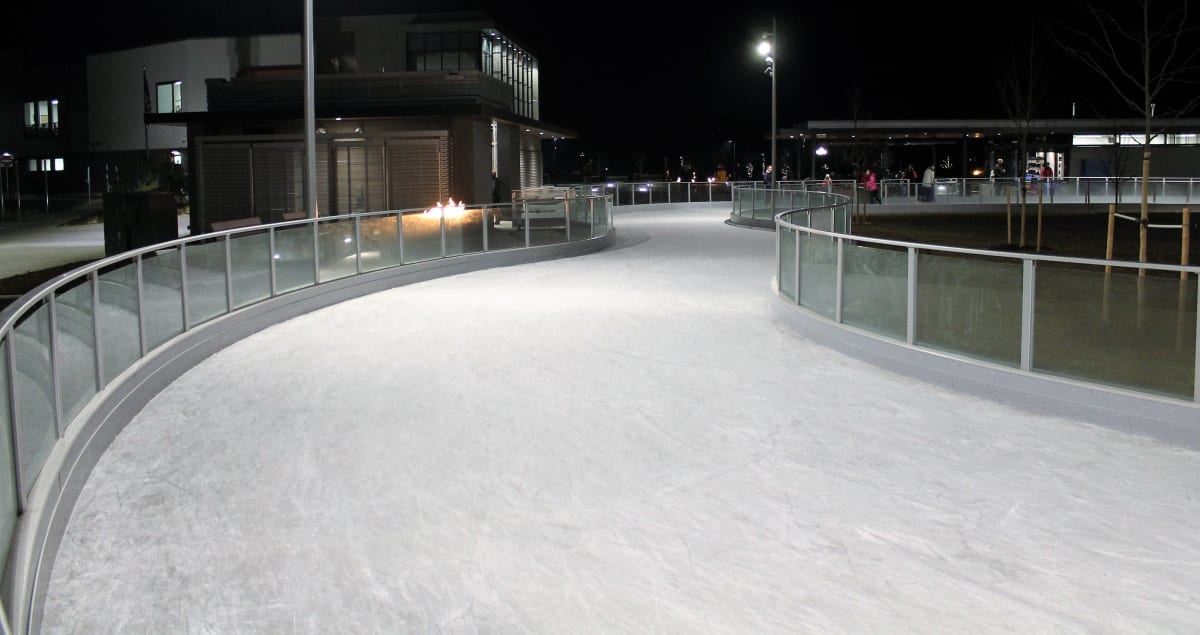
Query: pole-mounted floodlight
point(766, 48)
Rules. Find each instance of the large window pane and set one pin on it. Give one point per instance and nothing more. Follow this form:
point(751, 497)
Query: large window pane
point(1119, 329)
point(970, 306)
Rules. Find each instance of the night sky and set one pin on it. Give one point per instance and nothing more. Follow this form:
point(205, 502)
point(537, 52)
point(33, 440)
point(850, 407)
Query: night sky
point(663, 79)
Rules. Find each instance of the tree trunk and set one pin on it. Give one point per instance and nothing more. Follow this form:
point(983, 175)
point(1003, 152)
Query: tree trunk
point(1144, 224)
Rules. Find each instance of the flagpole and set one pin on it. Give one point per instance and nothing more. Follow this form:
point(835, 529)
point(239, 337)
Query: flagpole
point(146, 104)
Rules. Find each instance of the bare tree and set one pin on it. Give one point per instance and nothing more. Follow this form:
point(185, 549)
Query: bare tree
point(1022, 89)
point(1143, 60)
point(861, 151)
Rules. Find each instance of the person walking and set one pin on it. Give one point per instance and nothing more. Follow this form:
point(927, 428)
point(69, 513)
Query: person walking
point(872, 185)
point(927, 184)
point(999, 177)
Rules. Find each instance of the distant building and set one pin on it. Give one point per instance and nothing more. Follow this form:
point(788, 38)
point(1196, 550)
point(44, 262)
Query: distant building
point(411, 110)
point(965, 148)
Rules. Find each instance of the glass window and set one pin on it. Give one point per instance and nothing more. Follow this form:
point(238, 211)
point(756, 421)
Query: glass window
point(44, 113)
point(58, 165)
point(30, 113)
point(170, 97)
point(53, 113)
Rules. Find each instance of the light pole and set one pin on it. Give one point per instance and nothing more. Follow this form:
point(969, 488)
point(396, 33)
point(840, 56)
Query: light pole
point(766, 48)
point(733, 166)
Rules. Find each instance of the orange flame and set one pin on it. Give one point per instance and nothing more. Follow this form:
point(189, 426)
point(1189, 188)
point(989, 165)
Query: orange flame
point(450, 210)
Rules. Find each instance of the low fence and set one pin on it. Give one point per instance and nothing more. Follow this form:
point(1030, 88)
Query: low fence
point(1124, 334)
point(84, 336)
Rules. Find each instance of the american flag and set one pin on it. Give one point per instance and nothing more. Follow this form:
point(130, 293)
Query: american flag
point(146, 90)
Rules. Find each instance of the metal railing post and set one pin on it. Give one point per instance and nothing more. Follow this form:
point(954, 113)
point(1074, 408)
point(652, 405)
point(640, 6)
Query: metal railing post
point(1028, 282)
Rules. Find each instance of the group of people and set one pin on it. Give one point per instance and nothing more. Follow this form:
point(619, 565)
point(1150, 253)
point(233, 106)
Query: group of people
point(925, 190)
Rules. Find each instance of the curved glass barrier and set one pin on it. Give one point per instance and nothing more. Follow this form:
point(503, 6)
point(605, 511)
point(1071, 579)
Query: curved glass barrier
point(1112, 323)
point(65, 342)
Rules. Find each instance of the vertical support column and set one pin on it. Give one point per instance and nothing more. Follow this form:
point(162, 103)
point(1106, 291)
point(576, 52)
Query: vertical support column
point(837, 290)
point(55, 383)
point(228, 275)
point(357, 244)
point(1186, 242)
point(316, 247)
point(442, 228)
point(796, 267)
point(141, 300)
point(271, 260)
point(525, 220)
point(183, 287)
point(97, 339)
point(910, 319)
point(400, 233)
point(1028, 285)
point(1196, 367)
point(10, 360)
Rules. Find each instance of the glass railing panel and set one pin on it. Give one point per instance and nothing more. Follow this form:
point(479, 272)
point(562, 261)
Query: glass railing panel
point(818, 274)
point(34, 391)
point(875, 289)
point(294, 258)
point(120, 338)
point(600, 211)
point(75, 354)
point(580, 218)
point(547, 222)
point(1177, 192)
point(8, 488)
point(162, 293)
point(762, 204)
point(1119, 329)
point(207, 293)
point(338, 247)
point(422, 236)
point(464, 232)
point(970, 306)
point(250, 267)
point(787, 262)
point(501, 231)
point(380, 236)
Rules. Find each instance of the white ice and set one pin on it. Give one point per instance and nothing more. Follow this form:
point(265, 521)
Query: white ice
point(625, 442)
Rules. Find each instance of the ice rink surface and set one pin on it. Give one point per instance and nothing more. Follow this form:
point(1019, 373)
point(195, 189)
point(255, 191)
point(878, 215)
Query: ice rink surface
point(624, 442)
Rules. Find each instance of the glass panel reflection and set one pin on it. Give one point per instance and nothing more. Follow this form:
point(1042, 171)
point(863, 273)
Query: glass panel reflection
point(75, 352)
point(207, 296)
point(34, 392)
point(875, 289)
point(162, 292)
point(250, 267)
point(1119, 328)
point(339, 249)
point(970, 306)
point(119, 338)
point(294, 258)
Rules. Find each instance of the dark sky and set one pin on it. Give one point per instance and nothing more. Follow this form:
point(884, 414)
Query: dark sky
point(668, 78)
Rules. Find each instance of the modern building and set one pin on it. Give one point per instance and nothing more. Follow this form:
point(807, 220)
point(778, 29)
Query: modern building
point(965, 148)
point(411, 110)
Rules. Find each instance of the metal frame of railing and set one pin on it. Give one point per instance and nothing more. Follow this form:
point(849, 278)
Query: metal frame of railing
point(36, 374)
